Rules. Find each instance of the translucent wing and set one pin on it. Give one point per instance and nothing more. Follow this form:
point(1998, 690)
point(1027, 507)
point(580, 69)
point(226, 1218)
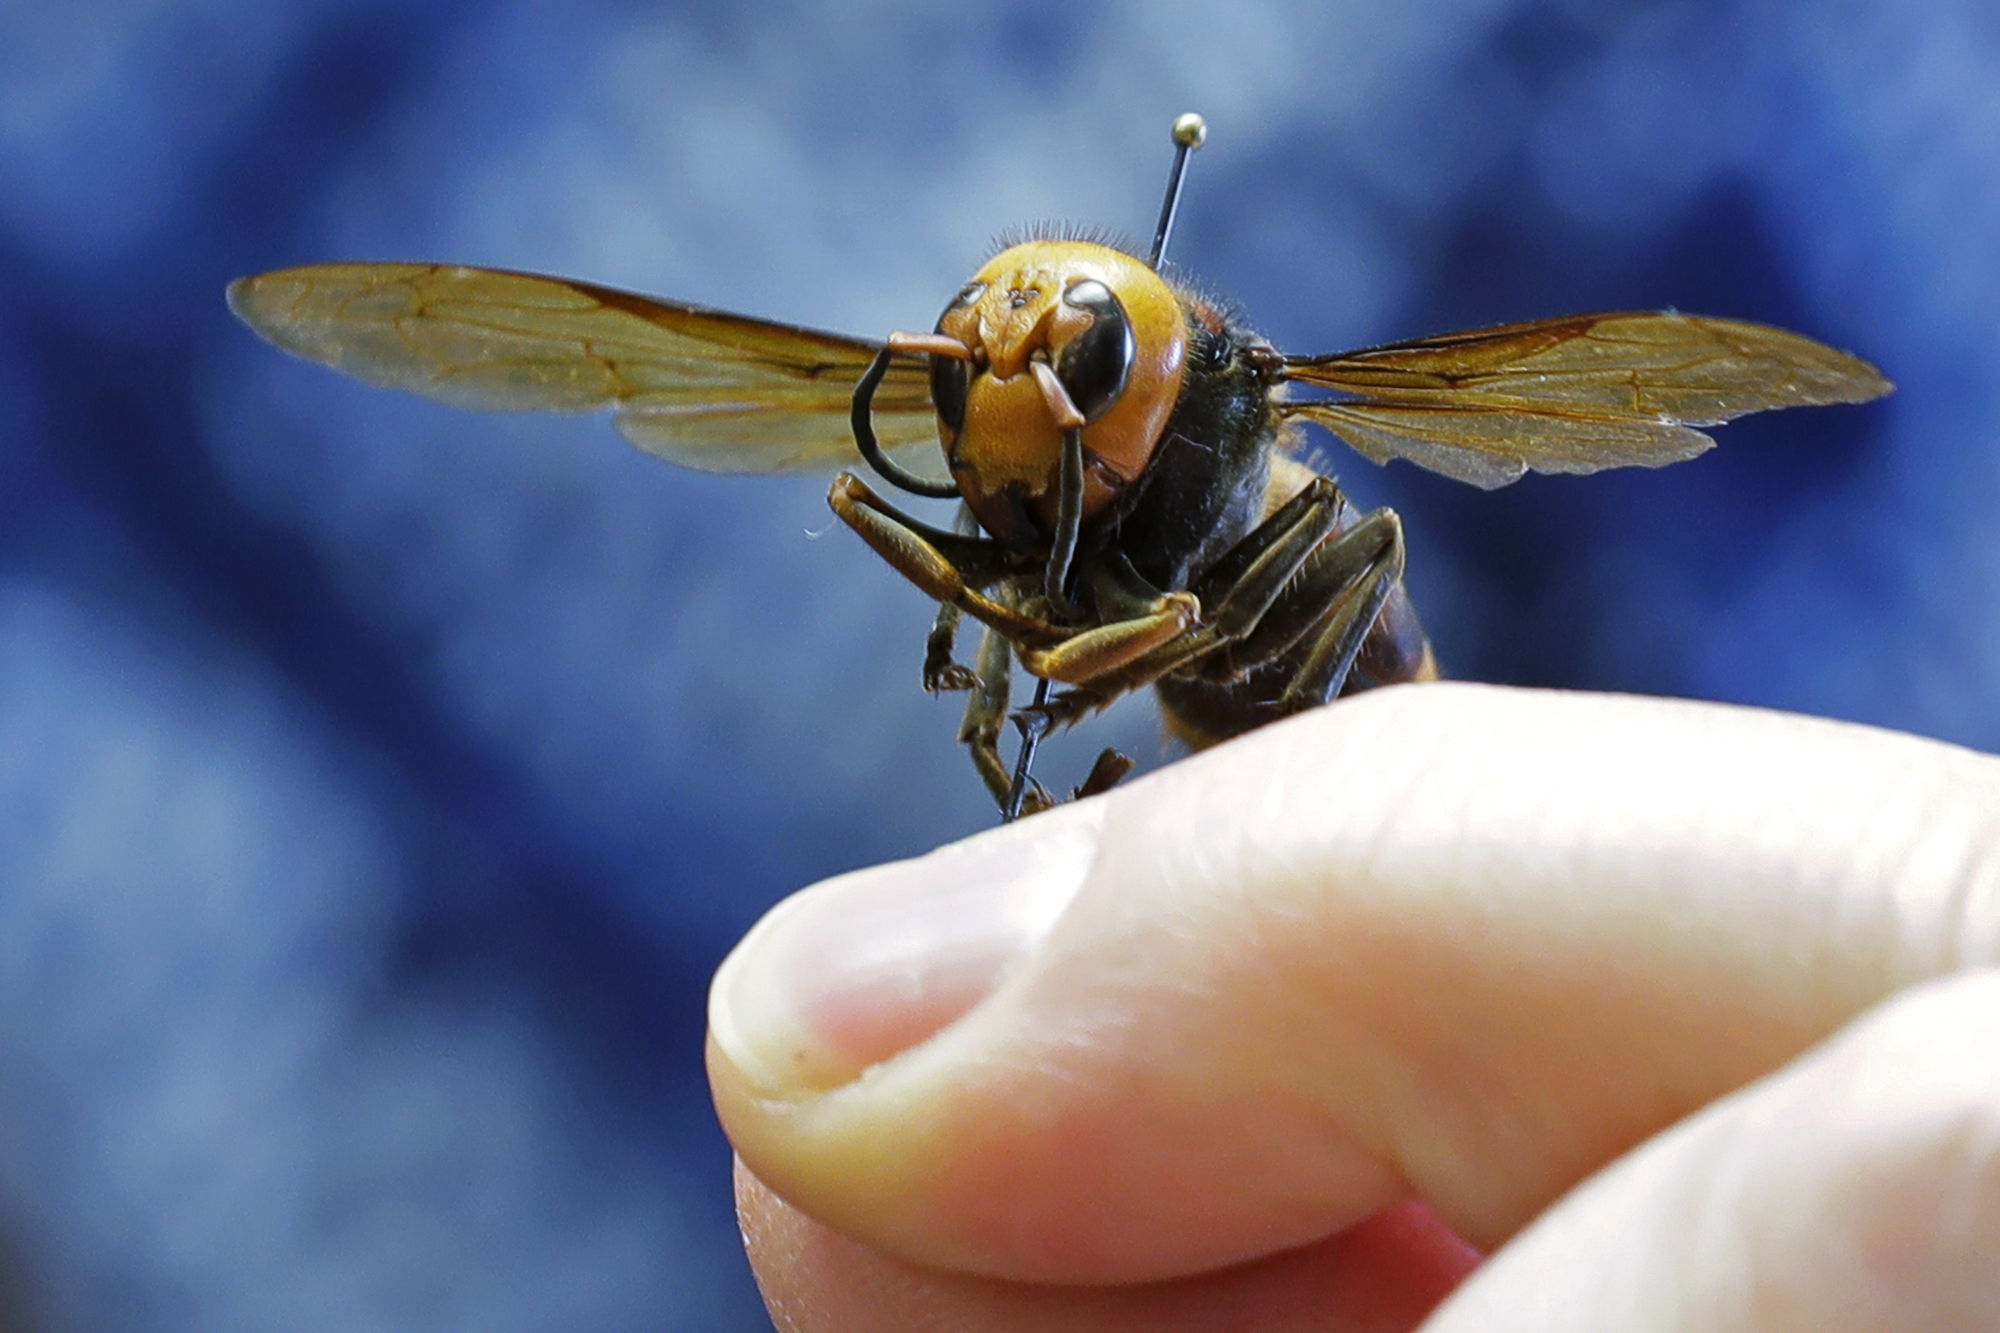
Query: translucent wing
point(704, 388)
point(1575, 394)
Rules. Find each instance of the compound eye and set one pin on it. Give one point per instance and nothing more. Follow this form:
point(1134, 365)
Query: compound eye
point(951, 381)
point(951, 378)
point(1095, 364)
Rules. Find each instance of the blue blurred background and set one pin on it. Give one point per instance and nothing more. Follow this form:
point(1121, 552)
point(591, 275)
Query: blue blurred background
point(379, 784)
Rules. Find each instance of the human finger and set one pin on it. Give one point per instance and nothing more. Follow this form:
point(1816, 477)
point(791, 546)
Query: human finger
point(1453, 942)
point(1857, 1190)
point(1383, 1276)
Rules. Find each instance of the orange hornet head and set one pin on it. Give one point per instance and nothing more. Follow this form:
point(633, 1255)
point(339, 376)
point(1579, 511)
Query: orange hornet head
point(1112, 332)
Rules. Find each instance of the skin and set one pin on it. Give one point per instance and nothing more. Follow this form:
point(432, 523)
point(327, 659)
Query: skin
point(1688, 1015)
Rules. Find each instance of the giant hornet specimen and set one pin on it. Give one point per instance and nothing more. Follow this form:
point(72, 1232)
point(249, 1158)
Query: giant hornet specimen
point(1131, 509)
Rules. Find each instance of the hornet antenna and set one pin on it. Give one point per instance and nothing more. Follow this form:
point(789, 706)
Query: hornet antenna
point(1189, 131)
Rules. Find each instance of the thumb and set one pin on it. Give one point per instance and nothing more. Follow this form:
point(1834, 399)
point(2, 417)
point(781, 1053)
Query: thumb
point(1455, 942)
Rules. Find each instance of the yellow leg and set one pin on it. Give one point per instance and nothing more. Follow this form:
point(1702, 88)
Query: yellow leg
point(915, 554)
point(1092, 653)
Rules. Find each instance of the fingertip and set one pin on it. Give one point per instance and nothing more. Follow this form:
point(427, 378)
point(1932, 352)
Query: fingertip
point(850, 972)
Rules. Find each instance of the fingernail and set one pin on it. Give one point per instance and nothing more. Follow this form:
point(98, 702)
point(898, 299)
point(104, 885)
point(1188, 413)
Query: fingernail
point(853, 970)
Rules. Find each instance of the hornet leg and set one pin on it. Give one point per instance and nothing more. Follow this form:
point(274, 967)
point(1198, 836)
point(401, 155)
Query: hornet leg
point(947, 567)
point(980, 731)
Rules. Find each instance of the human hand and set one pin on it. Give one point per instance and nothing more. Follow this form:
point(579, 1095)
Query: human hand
point(1688, 1012)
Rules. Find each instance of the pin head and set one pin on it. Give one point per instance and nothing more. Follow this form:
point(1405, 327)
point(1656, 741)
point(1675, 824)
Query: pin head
point(1189, 131)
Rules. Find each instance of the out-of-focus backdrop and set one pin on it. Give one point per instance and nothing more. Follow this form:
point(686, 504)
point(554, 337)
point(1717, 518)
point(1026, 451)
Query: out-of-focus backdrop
point(379, 784)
